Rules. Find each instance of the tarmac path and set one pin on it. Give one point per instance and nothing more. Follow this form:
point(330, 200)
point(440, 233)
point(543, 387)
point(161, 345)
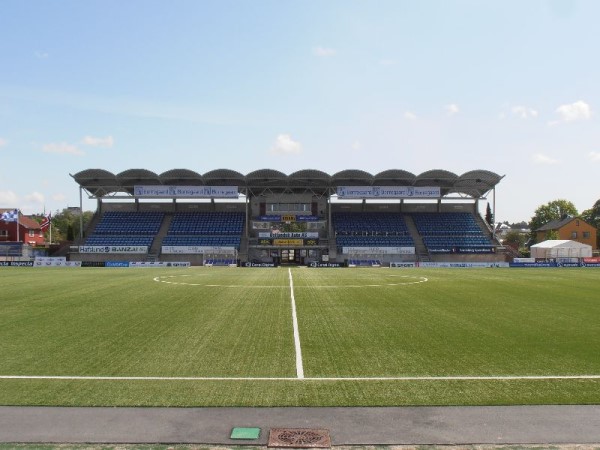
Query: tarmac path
point(347, 426)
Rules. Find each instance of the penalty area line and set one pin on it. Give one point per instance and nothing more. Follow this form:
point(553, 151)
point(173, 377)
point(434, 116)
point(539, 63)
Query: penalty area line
point(442, 378)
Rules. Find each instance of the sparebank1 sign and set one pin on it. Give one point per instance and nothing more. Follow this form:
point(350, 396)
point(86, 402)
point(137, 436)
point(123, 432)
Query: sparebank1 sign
point(388, 192)
point(186, 191)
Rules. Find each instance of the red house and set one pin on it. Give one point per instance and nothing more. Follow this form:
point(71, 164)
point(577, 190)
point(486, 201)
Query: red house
point(30, 232)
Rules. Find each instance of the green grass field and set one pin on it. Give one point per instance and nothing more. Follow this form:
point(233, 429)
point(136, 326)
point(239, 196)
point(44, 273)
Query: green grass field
point(225, 337)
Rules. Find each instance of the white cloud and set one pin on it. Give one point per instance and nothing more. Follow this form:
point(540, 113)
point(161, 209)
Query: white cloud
point(323, 51)
point(92, 141)
point(410, 115)
point(8, 198)
point(356, 145)
point(62, 148)
point(594, 156)
point(524, 112)
point(387, 62)
point(540, 158)
point(35, 197)
point(59, 197)
point(579, 110)
point(451, 109)
point(3, 142)
point(41, 55)
point(285, 145)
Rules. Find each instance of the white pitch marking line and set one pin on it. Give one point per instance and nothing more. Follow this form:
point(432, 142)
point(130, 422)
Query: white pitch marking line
point(163, 279)
point(448, 378)
point(299, 366)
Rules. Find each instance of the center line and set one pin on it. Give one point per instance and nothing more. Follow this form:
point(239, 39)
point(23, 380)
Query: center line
point(299, 368)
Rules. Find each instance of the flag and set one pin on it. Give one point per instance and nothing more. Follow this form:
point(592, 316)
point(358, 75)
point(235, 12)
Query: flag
point(46, 222)
point(11, 216)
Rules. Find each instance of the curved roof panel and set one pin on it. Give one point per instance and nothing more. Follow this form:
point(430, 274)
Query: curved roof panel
point(352, 177)
point(394, 177)
point(475, 183)
point(310, 178)
point(267, 178)
point(437, 176)
point(224, 177)
point(184, 177)
point(98, 182)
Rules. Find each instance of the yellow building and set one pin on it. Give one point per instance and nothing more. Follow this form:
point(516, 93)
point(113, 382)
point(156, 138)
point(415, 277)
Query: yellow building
point(568, 228)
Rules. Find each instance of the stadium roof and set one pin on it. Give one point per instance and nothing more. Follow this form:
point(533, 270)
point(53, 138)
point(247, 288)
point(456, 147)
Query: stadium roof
point(102, 183)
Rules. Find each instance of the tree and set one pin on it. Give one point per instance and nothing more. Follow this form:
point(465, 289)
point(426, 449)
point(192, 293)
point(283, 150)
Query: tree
point(515, 238)
point(66, 224)
point(553, 210)
point(489, 217)
point(592, 216)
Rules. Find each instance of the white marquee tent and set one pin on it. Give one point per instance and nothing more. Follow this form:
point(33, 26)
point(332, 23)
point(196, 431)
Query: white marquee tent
point(561, 249)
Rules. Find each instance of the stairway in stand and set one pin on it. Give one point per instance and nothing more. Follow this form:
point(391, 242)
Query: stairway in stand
point(421, 252)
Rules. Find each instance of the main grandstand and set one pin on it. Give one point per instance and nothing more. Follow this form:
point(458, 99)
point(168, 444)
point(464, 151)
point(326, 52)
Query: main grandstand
point(268, 218)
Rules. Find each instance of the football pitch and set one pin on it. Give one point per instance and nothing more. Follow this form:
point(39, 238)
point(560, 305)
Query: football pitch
point(299, 337)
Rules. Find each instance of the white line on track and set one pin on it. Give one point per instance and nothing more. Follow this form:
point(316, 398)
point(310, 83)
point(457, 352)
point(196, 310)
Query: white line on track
point(299, 366)
point(448, 378)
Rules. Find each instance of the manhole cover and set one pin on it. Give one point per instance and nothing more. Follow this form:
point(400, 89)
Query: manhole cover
point(299, 438)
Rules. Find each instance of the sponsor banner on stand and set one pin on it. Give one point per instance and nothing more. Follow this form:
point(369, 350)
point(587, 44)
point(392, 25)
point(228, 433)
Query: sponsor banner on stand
point(186, 191)
point(461, 264)
point(524, 260)
point(326, 264)
point(257, 264)
point(49, 261)
point(146, 264)
point(288, 242)
point(16, 263)
point(534, 264)
point(462, 250)
point(379, 250)
point(402, 264)
point(94, 264)
point(195, 249)
point(287, 218)
point(113, 249)
point(591, 262)
point(116, 264)
point(388, 192)
point(286, 235)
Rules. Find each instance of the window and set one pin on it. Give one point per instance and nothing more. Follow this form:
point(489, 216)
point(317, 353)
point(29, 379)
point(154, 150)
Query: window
point(577, 223)
point(586, 234)
point(31, 233)
point(574, 235)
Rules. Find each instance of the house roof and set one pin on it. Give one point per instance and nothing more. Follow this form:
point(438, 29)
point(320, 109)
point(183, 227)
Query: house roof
point(558, 223)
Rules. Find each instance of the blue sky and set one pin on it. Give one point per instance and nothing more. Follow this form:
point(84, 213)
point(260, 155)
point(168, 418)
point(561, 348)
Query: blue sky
point(507, 86)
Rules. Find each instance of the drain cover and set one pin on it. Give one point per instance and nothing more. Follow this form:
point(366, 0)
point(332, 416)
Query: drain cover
point(299, 438)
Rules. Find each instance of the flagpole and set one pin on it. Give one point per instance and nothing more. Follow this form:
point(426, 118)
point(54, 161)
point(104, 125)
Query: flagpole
point(18, 223)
